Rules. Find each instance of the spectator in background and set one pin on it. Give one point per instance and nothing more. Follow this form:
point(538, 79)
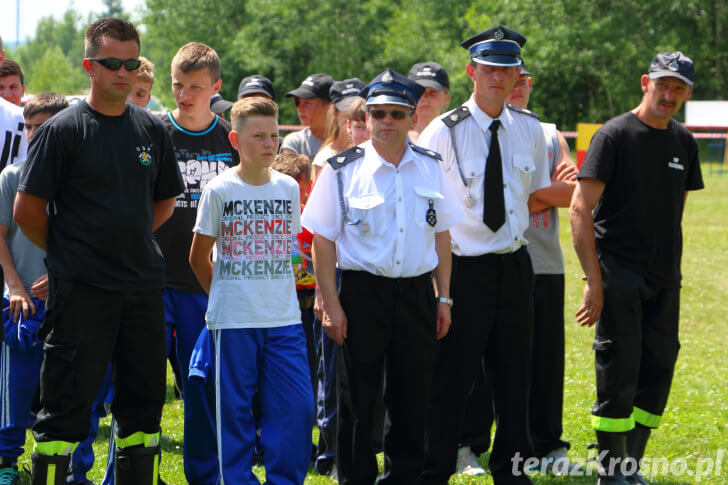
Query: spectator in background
point(312, 102)
point(141, 93)
point(256, 85)
point(12, 81)
point(436, 97)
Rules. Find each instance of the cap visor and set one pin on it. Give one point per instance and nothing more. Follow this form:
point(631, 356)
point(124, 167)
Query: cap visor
point(505, 61)
point(429, 83)
point(387, 99)
point(246, 92)
point(302, 92)
point(659, 74)
point(221, 106)
point(343, 104)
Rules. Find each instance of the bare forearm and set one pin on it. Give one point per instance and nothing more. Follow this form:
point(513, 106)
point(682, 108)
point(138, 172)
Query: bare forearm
point(558, 194)
point(582, 233)
point(162, 211)
point(200, 261)
point(6, 261)
point(443, 270)
point(30, 214)
point(324, 262)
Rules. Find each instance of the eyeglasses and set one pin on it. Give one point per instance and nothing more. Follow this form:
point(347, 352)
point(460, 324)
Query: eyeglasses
point(397, 114)
point(115, 64)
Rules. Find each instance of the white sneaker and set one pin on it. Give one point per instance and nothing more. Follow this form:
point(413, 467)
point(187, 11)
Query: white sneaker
point(468, 463)
point(560, 465)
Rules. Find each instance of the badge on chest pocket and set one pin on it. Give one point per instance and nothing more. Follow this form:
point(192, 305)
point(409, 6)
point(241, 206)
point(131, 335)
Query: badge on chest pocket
point(425, 212)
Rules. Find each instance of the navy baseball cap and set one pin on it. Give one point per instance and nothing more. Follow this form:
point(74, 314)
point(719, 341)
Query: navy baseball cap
point(672, 64)
point(314, 86)
point(218, 105)
point(499, 46)
point(430, 75)
point(391, 87)
point(343, 93)
point(256, 84)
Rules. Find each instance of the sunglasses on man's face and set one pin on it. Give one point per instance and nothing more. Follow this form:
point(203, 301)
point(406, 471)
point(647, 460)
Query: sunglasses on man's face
point(115, 64)
point(380, 114)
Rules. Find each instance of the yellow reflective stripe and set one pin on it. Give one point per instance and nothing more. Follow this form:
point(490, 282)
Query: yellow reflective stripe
point(139, 438)
point(155, 478)
point(614, 425)
point(646, 419)
point(51, 475)
point(50, 448)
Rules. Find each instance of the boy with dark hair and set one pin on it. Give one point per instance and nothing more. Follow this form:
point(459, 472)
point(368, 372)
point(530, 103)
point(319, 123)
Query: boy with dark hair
point(24, 298)
point(249, 215)
point(202, 151)
point(108, 170)
point(12, 81)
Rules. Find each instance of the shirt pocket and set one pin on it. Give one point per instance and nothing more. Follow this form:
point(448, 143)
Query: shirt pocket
point(425, 197)
point(473, 171)
point(366, 214)
point(523, 171)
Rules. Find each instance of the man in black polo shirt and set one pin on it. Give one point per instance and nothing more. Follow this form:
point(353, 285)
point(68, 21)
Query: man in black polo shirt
point(636, 174)
point(108, 170)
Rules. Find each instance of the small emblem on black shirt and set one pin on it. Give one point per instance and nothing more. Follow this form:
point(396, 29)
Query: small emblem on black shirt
point(145, 156)
point(676, 164)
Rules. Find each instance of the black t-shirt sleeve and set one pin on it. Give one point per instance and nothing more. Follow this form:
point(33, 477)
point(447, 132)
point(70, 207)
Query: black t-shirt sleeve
point(601, 158)
point(169, 181)
point(695, 175)
point(47, 163)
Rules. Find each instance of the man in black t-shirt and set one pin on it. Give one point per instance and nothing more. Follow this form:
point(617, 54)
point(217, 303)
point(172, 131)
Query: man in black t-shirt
point(108, 171)
point(635, 178)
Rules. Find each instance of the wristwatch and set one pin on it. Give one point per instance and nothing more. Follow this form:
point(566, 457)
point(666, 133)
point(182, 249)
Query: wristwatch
point(442, 299)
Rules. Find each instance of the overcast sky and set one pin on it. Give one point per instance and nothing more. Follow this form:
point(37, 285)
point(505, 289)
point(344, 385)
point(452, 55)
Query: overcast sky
point(32, 10)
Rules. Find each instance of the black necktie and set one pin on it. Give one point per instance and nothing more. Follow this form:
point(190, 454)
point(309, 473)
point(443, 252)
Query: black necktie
point(494, 210)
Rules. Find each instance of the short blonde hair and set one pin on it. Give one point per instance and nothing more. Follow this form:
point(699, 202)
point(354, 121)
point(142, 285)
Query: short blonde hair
point(195, 56)
point(254, 106)
point(296, 165)
point(146, 71)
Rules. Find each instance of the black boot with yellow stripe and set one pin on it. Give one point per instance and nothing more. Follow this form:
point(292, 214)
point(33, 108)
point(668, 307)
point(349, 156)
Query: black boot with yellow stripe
point(137, 459)
point(49, 462)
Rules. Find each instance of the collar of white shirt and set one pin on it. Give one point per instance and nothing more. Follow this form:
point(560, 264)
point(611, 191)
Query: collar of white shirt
point(484, 120)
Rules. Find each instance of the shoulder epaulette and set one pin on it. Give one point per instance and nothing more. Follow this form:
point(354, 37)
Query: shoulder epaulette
point(344, 158)
point(456, 116)
point(523, 111)
point(425, 151)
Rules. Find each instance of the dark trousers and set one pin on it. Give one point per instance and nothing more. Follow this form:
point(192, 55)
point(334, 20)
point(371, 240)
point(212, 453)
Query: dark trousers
point(547, 383)
point(479, 414)
point(492, 316)
point(636, 346)
point(391, 322)
point(90, 327)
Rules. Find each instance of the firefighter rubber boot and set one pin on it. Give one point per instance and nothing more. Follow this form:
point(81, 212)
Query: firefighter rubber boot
point(636, 444)
point(49, 469)
point(137, 465)
point(612, 453)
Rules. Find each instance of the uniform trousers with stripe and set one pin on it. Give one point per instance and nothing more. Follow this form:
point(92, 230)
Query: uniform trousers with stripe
point(492, 317)
point(391, 331)
point(636, 346)
point(273, 361)
point(89, 328)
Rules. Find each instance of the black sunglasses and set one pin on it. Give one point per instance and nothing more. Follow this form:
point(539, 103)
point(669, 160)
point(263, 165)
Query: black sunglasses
point(397, 114)
point(115, 64)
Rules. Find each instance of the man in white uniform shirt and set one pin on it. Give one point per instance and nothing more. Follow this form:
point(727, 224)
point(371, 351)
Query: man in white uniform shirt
point(382, 212)
point(496, 158)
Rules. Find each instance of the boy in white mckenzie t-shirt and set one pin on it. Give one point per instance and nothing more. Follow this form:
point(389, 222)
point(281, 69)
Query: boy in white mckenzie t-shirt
point(246, 219)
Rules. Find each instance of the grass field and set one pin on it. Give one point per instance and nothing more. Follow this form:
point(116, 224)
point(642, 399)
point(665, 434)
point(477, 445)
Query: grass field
point(695, 425)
